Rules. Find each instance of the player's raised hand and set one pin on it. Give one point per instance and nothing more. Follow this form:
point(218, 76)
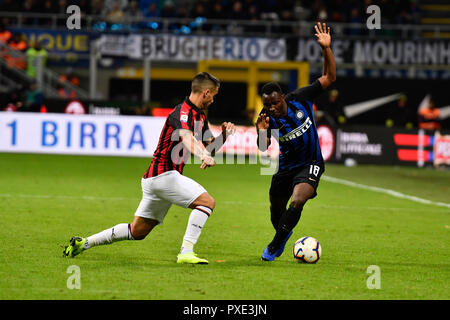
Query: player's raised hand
point(228, 129)
point(262, 123)
point(323, 35)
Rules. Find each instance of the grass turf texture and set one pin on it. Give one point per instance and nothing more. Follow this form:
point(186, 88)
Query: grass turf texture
point(45, 199)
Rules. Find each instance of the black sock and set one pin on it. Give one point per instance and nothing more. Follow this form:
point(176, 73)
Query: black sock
point(288, 222)
point(275, 216)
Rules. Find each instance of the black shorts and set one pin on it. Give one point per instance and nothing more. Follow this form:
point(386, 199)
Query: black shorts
point(283, 182)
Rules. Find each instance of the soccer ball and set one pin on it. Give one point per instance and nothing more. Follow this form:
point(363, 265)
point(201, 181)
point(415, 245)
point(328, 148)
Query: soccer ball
point(307, 249)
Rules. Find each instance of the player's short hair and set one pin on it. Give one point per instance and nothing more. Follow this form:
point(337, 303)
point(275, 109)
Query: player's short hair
point(270, 87)
point(204, 80)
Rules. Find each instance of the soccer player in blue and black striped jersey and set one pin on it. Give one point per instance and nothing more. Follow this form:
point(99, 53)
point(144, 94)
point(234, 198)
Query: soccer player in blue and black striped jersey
point(290, 117)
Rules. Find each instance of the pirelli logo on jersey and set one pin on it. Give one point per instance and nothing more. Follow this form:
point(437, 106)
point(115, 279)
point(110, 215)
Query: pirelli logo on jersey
point(297, 132)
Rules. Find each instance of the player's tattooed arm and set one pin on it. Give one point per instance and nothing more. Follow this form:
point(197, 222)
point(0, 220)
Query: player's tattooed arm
point(329, 67)
point(196, 148)
point(262, 125)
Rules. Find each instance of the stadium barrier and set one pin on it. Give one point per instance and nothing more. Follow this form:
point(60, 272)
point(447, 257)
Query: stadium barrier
point(138, 136)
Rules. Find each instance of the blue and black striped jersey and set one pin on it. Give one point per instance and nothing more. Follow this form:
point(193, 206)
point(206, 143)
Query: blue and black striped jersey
point(297, 132)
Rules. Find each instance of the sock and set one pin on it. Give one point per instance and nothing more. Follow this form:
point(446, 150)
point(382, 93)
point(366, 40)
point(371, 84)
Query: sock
point(275, 216)
point(288, 222)
point(197, 220)
point(117, 233)
point(186, 247)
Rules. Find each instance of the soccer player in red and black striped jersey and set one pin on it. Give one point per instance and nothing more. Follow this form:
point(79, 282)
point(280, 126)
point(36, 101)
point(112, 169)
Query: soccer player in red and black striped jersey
point(186, 116)
point(185, 132)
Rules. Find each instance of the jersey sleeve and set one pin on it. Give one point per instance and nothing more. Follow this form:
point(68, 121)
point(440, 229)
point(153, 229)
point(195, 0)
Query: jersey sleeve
point(180, 119)
point(309, 92)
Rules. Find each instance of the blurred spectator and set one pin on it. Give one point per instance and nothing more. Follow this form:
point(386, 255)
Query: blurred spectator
point(29, 7)
point(144, 4)
point(182, 12)
point(430, 117)
point(115, 14)
point(415, 12)
point(168, 10)
point(61, 7)
point(200, 10)
point(14, 58)
point(32, 55)
point(322, 15)
point(47, 7)
point(355, 18)
point(334, 107)
point(347, 11)
point(85, 6)
point(217, 10)
point(237, 11)
point(388, 11)
point(404, 17)
point(337, 11)
point(14, 101)
point(286, 16)
point(34, 100)
point(254, 17)
point(68, 77)
point(400, 114)
point(96, 7)
point(291, 33)
point(269, 6)
point(110, 5)
point(11, 107)
point(151, 10)
point(5, 34)
point(143, 110)
point(133, 11)
point(10, 6)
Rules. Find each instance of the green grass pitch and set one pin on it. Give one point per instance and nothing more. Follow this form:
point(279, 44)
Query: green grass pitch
point(46, 199)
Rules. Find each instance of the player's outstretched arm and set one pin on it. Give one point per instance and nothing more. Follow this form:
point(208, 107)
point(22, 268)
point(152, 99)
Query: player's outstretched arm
point(262, 125)
point(196, 148)
point(329, 67)
point(215, 143)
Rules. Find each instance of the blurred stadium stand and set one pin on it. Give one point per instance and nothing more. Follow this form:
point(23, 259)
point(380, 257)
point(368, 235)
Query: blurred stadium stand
point(118, 82)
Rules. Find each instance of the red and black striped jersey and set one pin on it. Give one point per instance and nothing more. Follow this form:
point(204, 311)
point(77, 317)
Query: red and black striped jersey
point(170, 154)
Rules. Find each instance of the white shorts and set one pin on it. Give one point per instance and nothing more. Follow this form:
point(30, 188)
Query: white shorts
point(160, 192)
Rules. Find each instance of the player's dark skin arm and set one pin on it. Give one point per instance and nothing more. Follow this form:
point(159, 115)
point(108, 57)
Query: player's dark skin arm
point(329, 66)
point(262, 125)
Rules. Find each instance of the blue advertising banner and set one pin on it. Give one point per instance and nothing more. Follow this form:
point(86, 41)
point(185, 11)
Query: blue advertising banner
point(64, 47)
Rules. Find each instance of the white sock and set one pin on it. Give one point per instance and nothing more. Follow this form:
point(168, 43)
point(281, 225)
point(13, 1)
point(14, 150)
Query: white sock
point(197, 220)
point(117, 233)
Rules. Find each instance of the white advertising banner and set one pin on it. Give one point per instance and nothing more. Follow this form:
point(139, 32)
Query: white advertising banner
point(134, 136)
point(193, 48)
point(79, 134)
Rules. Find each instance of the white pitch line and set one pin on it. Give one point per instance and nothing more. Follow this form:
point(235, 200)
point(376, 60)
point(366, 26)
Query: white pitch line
point(386, 191)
